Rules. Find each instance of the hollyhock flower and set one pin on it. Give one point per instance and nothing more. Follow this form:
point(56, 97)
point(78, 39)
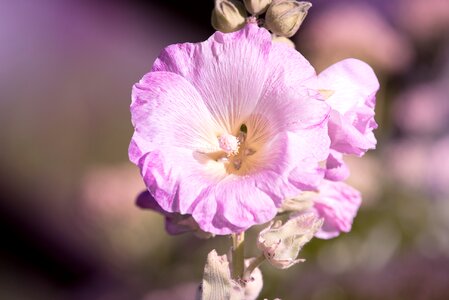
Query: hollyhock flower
point(349, 87)
point(228, 128)
point(337, 203)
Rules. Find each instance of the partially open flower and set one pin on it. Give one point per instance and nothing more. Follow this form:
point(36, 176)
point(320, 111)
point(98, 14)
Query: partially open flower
point(285, 16)
point(350, 87)
point(225, 130)
point(282, 243)
point(228, 15)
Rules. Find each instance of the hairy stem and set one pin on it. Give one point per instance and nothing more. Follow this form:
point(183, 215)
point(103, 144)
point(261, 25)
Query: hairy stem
point(238, 255)
point(253, 265)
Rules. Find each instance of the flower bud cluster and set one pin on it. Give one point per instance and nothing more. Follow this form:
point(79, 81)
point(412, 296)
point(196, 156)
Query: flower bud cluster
point(282, 17)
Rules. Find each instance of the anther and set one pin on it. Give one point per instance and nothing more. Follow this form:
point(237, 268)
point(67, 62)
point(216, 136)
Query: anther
point(229, 144)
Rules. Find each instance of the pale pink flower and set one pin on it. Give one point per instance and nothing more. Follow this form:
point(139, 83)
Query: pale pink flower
point(337, 203)
point(226, 129)
point(349, 87)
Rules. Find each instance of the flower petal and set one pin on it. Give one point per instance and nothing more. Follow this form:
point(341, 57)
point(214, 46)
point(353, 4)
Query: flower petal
point(288, 101)
point(168, 112)
point(336, 169)
point(338, 204)
point(146, 201)
point(352, 86)
point(228, 70)
point(172, 125)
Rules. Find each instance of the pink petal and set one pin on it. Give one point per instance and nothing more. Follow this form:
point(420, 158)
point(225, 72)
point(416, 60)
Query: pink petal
point(288, 100)
point(353, 85)
point(168, 112)
point(338, 204)
point(171, 123)
point(336, 169)
point(253, 199)
point(146, 201)
point(228, 70)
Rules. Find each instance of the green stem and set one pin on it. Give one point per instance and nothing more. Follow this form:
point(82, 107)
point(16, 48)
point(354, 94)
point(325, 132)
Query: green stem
point(253, 265)
point(238, 255)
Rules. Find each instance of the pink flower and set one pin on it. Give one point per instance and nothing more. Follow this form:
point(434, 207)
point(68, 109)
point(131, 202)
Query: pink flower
point(349, 87)
point(337, 203)
point(226, 129)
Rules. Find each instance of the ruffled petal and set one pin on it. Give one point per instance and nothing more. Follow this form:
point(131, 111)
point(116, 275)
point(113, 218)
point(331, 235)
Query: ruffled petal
point(172, 128)
point(228, 70)
point(351, 86)
point(253, 199)
point(337, 203)
point(237, 202)
point(168, 112)
point(336, 168)
point(288, 101)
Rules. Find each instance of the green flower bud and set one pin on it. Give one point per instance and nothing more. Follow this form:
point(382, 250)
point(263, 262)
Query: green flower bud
point(228, 15)
point(257, 7)
point(285, 16)
point(281, 243)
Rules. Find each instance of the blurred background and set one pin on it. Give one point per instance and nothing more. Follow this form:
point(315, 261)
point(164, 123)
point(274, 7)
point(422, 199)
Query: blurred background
point(69, 228)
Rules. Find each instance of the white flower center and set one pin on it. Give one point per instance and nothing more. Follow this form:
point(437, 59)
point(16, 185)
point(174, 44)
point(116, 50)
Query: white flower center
point(229, 144)
point(235, 150)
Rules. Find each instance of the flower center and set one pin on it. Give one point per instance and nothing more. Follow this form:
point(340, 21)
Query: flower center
point(229, 144)
point(235, 149)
